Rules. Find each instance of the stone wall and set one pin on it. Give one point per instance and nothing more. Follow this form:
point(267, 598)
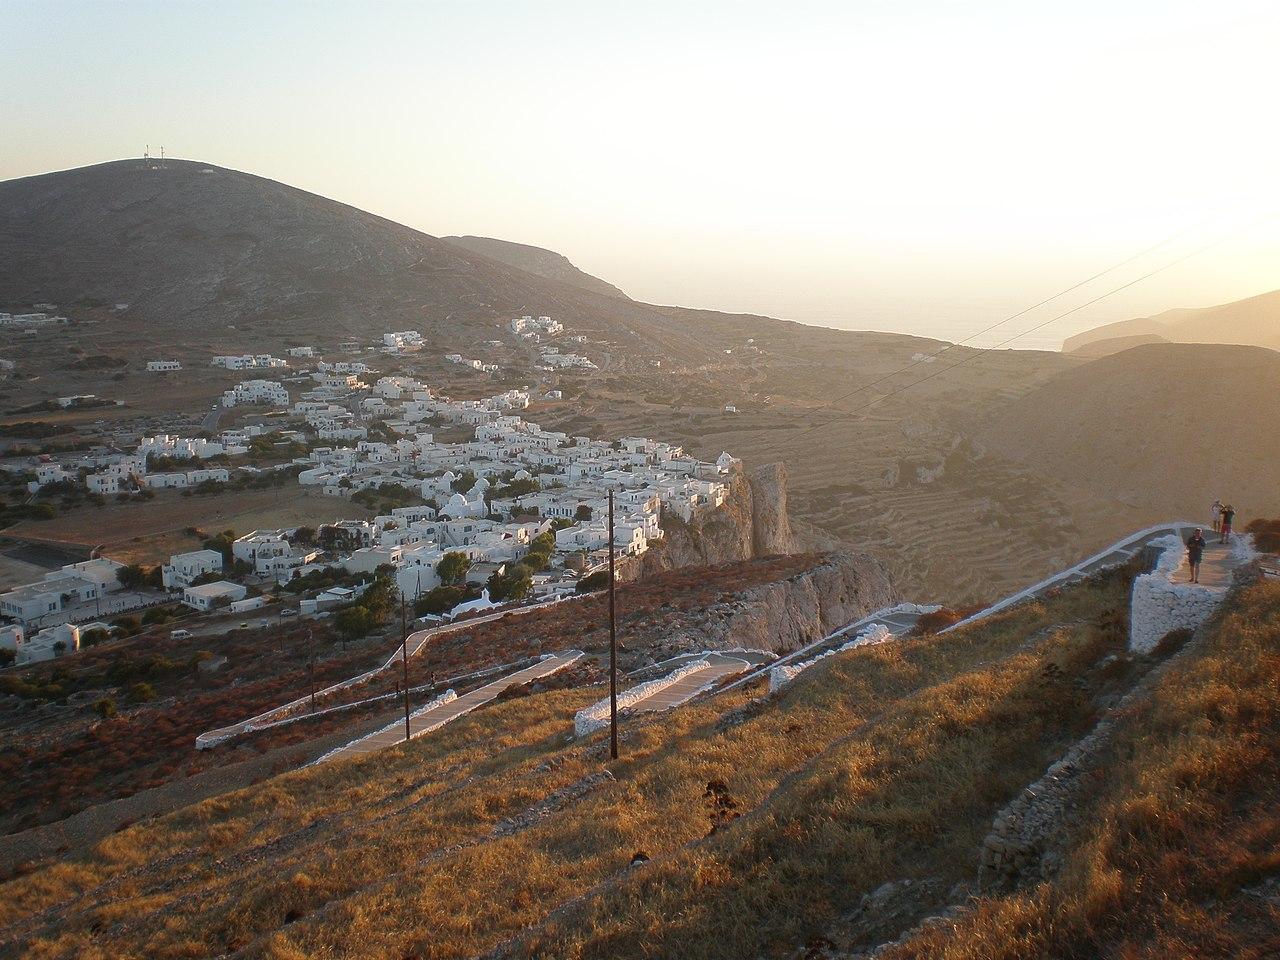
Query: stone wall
point(1159, 605)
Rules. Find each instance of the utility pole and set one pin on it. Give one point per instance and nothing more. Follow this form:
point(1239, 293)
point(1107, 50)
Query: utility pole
point(404, 663)
point(311, 665)
point(613, 647)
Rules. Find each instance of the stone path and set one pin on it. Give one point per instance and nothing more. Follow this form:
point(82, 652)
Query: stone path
point(687, 687)
point(1114, 555)
point(897, 622)
point(1217, 567)
point(413, 644)
point(901, 622)
point(443, 713)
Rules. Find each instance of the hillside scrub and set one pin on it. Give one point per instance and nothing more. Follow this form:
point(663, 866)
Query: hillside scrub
point(906, 751)
point(1184, 834)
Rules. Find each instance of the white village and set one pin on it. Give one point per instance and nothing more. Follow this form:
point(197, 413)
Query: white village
point(473, 509)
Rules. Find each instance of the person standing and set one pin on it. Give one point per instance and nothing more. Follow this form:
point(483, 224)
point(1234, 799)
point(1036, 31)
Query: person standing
point(1228, 518)
point(1216, 513)
point(1195, 553)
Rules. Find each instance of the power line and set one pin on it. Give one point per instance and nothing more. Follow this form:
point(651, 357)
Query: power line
point(928, 358)
point(985, 350)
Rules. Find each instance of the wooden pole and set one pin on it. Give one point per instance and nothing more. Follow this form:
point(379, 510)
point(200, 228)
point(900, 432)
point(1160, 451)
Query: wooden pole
point(311, 666)
point(404, 663)
point(613, 646)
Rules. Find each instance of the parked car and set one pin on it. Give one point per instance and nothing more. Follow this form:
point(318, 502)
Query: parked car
point(180, 634)
point(288, 612)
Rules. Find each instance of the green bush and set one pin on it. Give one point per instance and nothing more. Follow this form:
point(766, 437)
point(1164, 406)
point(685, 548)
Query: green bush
point(592, 582)
point(141, 692)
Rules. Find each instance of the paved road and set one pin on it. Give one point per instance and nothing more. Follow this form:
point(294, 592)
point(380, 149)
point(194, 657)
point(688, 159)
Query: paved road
point(414, 643)
point(210, 421)
point(1217, 568)
point(901, 622)
point(1114, 555)
point(687, 687)
point(437, 716)
point(897, 622)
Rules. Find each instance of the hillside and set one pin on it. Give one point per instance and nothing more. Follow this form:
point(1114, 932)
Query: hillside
point(193, 249)
point(1254, 322)
point(1163, 428)
point(820, 821)
point(538, 261)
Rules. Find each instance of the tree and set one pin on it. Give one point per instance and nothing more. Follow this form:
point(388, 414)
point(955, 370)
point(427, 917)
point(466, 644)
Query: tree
point(513, 585)
point(222, 543)
point(352, 623)
point(584, 512)
point(7, 656)
point(453, 567)
point(132, 577)
point(105, 708)
point(439, 600)
point(92, 637)
point(305, 535)
point(59, 648)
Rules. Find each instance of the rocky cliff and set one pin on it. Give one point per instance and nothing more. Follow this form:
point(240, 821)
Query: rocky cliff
point(783, 614)
point(752, 522)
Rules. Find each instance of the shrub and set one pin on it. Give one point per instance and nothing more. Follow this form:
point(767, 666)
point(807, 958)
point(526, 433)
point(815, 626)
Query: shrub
point(592, 582)
point(1266, 534)
point(440, 600)
point(105, 708)
point(141, 692)
point(128, 626)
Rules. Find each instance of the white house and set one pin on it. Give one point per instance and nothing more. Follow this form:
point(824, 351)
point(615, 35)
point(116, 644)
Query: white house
point(74, 584)
point(182, 568)
point(257, 391)
point(263, 548)
point(210, 595)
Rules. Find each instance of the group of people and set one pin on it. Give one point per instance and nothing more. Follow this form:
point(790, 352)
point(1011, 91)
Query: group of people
point(1223, 515)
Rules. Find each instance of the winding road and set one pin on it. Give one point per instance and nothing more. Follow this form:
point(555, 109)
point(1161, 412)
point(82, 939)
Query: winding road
point(441, 711)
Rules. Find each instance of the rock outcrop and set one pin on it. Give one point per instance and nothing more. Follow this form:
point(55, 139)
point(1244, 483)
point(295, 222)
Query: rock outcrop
point(787, 613)
point(752, 522)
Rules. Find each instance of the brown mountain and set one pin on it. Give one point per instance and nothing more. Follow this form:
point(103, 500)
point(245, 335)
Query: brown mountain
point(1163, 428)
point(1254, 322)
point(191, 248)
point(536, 260)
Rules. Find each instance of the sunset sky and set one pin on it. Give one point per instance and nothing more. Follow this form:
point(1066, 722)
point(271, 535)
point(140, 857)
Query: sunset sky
point(906, 165)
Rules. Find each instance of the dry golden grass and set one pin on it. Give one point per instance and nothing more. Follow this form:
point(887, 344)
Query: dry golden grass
point(1188, 819)
point(883, 762)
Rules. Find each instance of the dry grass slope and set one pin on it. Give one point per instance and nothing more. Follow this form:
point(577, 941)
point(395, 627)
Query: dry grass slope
point(885, 762)
point(1181, 855)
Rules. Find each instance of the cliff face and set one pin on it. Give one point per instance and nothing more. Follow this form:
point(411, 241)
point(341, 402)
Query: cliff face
point(770, 521)
point(752, 522)
point(787, 613)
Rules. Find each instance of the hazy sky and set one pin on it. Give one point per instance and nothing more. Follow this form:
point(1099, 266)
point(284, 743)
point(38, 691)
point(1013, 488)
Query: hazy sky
point(917, 165)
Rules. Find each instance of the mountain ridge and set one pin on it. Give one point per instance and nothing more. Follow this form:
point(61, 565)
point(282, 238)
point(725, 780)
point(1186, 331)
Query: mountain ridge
point(1254, 321)
point(539, 261)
